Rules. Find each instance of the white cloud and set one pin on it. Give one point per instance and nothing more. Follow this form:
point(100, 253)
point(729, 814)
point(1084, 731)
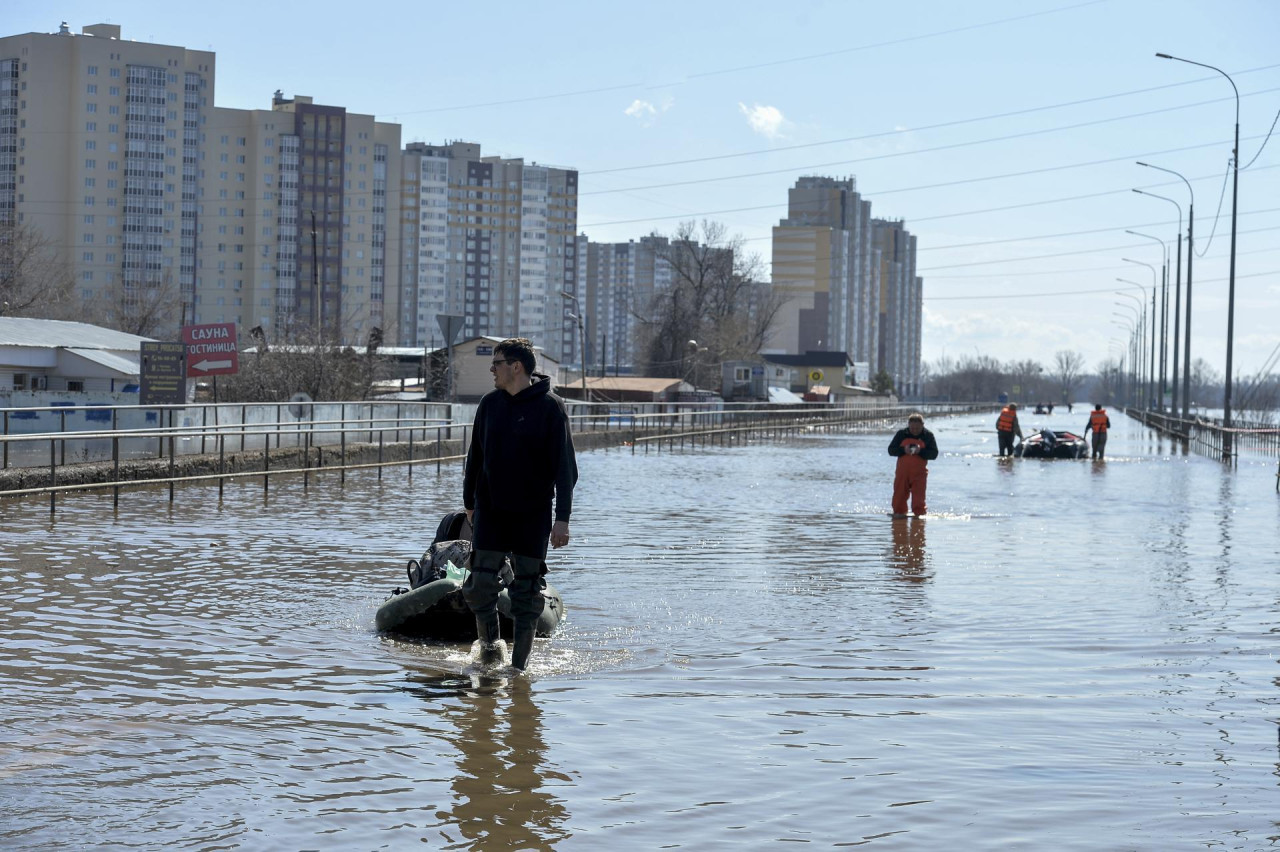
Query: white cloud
point(642, 110)
point(646, 112)
point(768, 121)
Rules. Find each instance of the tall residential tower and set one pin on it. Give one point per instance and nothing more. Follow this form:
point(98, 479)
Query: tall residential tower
point(490, 239)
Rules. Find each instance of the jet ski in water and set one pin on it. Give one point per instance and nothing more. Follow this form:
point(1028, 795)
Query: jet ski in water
point(433, 607)
point(1048, 444)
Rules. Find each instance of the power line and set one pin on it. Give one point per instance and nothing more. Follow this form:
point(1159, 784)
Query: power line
point(896, 154)
point(1041, 295)
point(721, 71)
point(896, 132)
point(1075, 233)
point(961, 182)
point(1064, 254)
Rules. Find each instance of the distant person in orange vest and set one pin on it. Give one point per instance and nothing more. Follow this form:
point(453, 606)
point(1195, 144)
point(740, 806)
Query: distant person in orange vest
point(1006, 427)
point(914, 447)
point(1099, 422)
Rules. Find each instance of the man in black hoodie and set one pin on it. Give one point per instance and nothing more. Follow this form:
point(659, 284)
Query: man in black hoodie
point(521, 457)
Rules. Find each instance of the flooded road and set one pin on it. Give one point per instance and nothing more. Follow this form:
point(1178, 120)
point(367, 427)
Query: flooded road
point(1063, 655)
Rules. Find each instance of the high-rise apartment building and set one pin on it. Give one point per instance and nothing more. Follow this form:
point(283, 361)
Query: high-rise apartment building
point(849, 280)
point(822, 266)
point(618, 284)
point(114, 153)
point(99, 153)
point(294, 210)
point(489, 239)
point(900, 305)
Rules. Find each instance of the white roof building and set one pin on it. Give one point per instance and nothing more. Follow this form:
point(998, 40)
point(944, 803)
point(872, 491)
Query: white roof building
point(53, 355)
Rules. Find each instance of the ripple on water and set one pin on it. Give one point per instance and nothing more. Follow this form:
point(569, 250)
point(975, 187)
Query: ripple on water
point(753, 653)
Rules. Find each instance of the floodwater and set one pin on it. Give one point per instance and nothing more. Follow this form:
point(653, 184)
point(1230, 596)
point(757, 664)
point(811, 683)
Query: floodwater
point(1063, 655)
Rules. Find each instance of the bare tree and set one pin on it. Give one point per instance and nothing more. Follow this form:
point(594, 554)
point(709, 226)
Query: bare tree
point(717, 301)
point(303, 360)
point(34, 280)
point(150, 308)
point(1206, 385)
point(1026, 379)
point(1110, 381)
point(1067, 366)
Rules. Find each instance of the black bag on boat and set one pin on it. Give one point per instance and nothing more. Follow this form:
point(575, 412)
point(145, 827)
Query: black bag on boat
point(451, 544)
point(453, 527)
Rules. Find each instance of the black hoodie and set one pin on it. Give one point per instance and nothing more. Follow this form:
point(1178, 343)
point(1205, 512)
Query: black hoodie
point(521, 452)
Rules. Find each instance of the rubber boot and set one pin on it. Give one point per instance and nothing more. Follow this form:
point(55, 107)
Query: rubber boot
point(481, 594)
point(522, 646)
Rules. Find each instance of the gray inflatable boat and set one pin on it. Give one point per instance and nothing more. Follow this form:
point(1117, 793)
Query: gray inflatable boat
point(437, 610)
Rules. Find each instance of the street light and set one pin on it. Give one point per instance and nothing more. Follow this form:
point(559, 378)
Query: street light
point(1164, 310)
point(1154, 287)
point(582, 338)
point(1231, 285)
point(1139, 356)
point(1134, 348)
point(1177, 291)
point(1191, 253)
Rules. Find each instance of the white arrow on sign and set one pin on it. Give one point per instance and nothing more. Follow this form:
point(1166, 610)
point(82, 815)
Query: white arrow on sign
point(205, 366)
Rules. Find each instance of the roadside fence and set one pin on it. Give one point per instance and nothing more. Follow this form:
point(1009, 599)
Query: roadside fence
point(60, 449)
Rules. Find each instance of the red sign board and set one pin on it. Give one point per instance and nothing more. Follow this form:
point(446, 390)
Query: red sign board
point(211, 349)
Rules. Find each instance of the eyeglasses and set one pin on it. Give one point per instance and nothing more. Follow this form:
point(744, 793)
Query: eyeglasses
point(504, 361)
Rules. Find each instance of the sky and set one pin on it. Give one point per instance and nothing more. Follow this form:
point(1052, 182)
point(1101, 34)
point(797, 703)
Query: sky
point(1005, 133)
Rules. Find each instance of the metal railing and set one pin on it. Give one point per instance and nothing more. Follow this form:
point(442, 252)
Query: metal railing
point(199, 445)
point(1209, 437)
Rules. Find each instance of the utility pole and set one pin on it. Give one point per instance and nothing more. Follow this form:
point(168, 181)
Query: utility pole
point(315, 277)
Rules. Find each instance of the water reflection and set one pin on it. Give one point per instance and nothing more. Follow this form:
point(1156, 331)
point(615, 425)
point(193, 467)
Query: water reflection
point(499, 785)
point(908, 554)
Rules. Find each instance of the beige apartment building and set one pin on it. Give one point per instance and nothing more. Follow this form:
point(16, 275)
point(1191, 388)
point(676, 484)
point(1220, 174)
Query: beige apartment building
point(900, 304)
point(489, 239)
point(99, 152)
point(822, 266)
point(113, 151)
point(294, 210)
point(849, 280)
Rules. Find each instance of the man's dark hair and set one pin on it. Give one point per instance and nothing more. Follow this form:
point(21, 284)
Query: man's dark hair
point(519, 348)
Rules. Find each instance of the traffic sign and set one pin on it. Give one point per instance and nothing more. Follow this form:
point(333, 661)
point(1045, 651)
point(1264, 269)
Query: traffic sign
point(163, 375)
point(211, 349)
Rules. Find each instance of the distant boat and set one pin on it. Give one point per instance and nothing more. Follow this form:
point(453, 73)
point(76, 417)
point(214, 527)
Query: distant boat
point(1048, 444)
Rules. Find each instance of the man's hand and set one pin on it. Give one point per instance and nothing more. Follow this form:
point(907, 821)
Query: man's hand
point(470, 512)
point(560, 534)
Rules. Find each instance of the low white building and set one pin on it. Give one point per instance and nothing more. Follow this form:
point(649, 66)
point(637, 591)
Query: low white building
point(471, 360)
point(43, 359)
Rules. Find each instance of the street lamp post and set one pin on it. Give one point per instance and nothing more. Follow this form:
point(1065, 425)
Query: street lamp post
point(1140, 356)
point(1134, 348)
point(1151, 366)
point(1177, 294)
point(1191, 254)
point(1164, 312)
point(582, 338)
point(1231, 279)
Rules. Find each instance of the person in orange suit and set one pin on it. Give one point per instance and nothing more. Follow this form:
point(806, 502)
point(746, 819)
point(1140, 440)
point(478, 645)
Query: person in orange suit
point(1099, 422)
point(1006, 427)
point(914, 447)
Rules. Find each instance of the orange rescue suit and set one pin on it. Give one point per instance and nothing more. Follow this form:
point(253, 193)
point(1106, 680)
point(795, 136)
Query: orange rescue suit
point(1005, 423)
point(1098, 421)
